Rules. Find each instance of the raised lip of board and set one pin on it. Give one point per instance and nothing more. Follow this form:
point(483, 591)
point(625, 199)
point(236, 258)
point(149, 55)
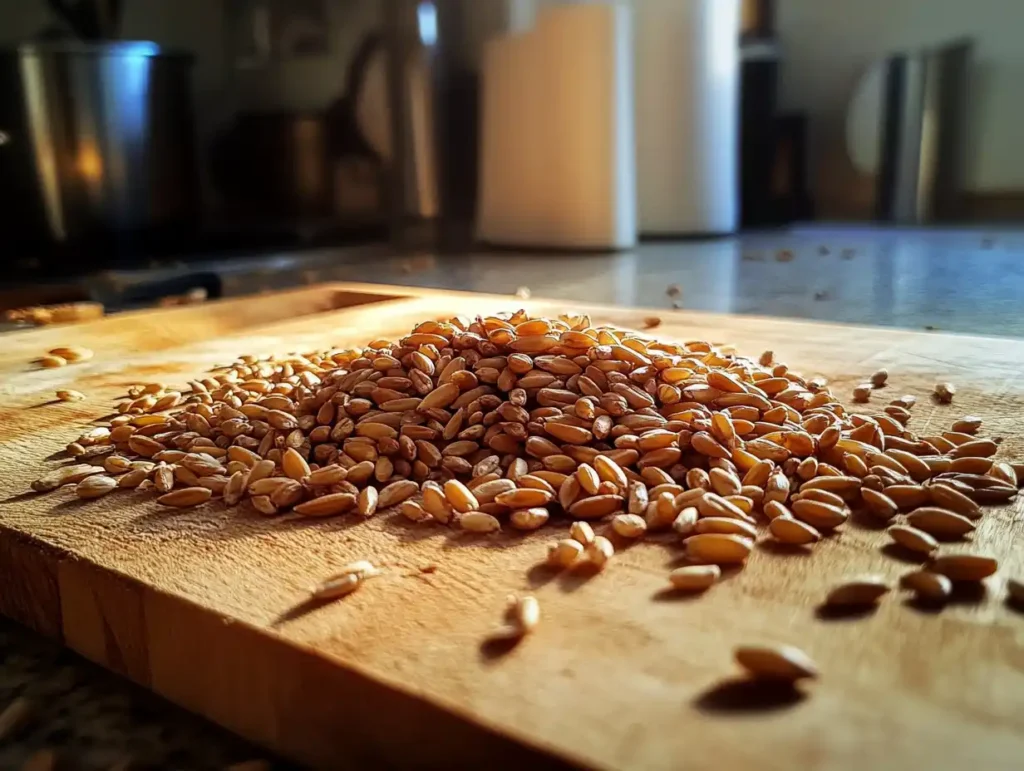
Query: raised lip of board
point(320, 298)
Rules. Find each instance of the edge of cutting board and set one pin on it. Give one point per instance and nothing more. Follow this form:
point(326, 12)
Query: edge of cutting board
point(82, 605)
point(164, 328)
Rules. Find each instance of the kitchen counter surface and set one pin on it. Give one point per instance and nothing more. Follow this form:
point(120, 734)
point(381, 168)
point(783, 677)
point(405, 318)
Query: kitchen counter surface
point(91, 719)
point(968, 281)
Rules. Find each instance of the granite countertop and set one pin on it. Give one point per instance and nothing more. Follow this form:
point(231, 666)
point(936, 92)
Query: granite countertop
point(60, 711)
point(966, 281)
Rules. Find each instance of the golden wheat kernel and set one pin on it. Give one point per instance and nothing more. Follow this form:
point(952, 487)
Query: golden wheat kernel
point(776, 662)
point(691, 578)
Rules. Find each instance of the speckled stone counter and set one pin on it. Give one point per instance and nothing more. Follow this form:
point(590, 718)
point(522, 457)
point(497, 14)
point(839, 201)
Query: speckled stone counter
point(956, 280)
point(91, 719)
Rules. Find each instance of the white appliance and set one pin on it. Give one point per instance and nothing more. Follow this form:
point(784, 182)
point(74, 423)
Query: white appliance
point(557, 162)
point(687, 116)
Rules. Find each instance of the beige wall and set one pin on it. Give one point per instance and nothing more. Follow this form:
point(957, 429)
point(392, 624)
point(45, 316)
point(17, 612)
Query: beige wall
point(827, 43)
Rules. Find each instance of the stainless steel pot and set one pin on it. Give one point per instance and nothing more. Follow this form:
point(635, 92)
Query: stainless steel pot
point(102, 136)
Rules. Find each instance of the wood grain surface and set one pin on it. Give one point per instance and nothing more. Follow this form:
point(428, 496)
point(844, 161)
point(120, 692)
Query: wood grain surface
point(207, 606)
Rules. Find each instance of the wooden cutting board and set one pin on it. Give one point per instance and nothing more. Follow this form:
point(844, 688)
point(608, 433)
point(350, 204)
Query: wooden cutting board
point(206, 607)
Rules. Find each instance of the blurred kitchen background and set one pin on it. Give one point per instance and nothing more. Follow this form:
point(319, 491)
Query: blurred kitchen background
point(164, 151)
